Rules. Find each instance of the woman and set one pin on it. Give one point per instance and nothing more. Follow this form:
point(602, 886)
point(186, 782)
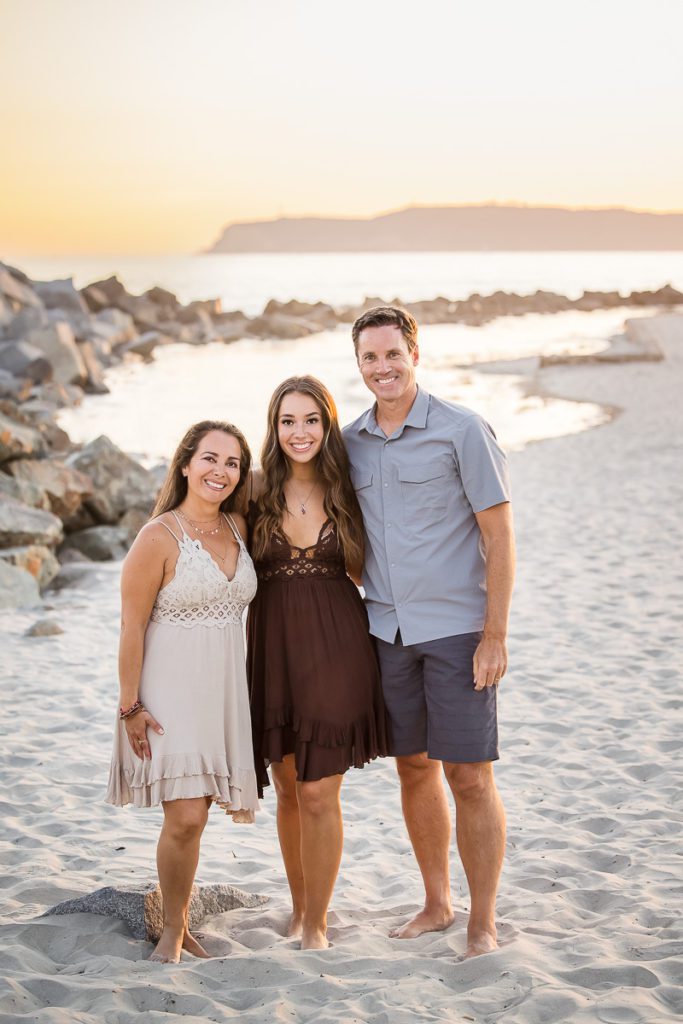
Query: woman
point(184, 736)
point(316, 700)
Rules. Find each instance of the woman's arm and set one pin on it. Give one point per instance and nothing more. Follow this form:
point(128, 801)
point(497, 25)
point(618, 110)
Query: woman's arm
point(141, 580)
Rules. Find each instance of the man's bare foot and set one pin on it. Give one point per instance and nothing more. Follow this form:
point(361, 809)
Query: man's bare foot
point(314, 938)
point(425, 921)
point(295, 925)
point(168, 947)
point(480, 942)
point(191, 945)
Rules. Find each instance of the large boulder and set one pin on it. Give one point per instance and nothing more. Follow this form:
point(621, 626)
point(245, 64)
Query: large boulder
point(20, 524)
point(60, 295)
point(314, 312)
point(67, 488)
point(17, 291)
point(114, 326)
point(98, 543)
point(18, 589)
point(25, 361)
point(94, 383)
point(35, 559)
point(24, 491)
point(18, 440)
point(276, 325)
point(119, 482)
point(145, 344)
point(58, 345)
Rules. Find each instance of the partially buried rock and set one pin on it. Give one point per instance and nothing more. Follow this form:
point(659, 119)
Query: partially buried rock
point(35, 559)
point(140, 906)
point(44, 627)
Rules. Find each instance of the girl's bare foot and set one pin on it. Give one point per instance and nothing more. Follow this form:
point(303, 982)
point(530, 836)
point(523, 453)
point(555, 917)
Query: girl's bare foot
point(295, 925)
point(479, 942)
point(426, 921)
point(191, 945)
point(314, 938)
point(167, 950)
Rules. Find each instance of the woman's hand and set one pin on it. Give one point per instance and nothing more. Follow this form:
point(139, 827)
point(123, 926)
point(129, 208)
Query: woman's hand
point(136, 727)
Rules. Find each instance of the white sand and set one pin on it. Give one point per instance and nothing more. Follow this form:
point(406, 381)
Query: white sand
point(590, 898)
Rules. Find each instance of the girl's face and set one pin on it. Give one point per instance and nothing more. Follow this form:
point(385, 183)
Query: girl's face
point(213, 472)
point(300, 429)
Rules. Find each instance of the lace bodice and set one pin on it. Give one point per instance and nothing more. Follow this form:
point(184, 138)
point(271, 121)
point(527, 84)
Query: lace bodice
point(200, 593)
point(284, 562)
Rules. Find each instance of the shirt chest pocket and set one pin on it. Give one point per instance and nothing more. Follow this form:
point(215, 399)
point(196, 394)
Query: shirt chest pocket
point(424, 489)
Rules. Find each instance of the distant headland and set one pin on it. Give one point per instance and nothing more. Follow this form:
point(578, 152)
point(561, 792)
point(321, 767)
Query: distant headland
point(490, 227)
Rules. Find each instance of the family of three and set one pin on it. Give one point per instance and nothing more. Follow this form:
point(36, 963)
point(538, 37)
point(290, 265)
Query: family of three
point(411, 501)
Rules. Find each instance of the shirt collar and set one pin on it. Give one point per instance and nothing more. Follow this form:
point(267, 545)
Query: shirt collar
point(417, 417)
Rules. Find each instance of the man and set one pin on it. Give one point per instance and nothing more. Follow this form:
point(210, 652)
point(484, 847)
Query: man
point(432, 485)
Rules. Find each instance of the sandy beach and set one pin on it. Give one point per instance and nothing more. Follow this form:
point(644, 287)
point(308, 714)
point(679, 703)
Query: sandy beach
point(590, 773)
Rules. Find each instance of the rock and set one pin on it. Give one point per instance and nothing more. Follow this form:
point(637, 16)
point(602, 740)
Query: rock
point(60, 295)
point(67, 488)
point(276, 325)
point(44, 627)
point(24, 491)
point(166, 301)
point(10, 386)
point(95, 298)
point(119, 482)
point(314, 312)
point(20, 524)
point(24, 360)
point(18, 589)
point(94, 384)
point(193, 310)
point(6, 313)
point(114, 326)
point(16, 290)
point(231, 330)
point(35, 559)
point(145, 344)
point(29, 318)
point(111, 290)
point(590, 301)
point(140, 907)
point(78, 570)
point(58, 345)
point(98, 543)
point(17, 439)
point(132, 522)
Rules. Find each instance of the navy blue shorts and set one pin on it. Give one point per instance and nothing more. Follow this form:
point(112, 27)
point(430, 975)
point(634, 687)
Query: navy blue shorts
point(432, 704)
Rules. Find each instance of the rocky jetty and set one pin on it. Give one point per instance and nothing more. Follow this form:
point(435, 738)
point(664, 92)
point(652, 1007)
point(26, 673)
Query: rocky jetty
point(61, 502)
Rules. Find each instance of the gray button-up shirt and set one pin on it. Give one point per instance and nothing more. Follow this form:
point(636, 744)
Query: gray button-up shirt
point(418, 491)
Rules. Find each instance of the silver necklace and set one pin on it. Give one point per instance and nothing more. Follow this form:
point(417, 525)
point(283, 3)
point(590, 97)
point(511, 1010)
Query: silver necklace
point(302, 504)
point(198, 529)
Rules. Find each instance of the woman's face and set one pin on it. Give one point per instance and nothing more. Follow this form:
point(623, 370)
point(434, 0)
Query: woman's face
point(213, 472)
point(300, 429)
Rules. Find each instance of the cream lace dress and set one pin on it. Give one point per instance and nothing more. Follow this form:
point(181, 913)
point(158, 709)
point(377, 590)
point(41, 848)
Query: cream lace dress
point(194, 683)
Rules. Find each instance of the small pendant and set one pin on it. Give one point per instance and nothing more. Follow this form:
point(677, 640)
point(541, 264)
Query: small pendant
point(303, 510)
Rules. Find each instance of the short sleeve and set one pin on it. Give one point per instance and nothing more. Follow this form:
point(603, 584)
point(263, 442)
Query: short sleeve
point(482, 464)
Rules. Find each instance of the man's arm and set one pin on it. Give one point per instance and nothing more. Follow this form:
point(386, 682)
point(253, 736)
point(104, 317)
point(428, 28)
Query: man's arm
point(490, 658)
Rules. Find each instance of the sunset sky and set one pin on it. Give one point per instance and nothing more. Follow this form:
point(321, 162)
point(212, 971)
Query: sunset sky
point(144, 126)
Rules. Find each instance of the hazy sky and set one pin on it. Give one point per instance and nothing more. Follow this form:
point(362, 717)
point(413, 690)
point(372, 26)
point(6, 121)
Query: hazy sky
point(146, 125)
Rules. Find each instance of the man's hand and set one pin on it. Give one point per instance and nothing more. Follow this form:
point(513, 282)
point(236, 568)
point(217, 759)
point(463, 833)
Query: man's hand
point(490, 662)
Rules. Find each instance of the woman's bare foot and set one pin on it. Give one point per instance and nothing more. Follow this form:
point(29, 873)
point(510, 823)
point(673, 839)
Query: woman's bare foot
point(314, 938)
point(167, 950)
point(295, 925)
point(479, 942)
point(191, 945)
point(426, 921)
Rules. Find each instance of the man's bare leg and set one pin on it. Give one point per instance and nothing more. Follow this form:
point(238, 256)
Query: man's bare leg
point(480, 832)
point(427, 817)
point(289, 834)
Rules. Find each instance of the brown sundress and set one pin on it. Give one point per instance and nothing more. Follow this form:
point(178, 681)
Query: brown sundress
point(314, 682)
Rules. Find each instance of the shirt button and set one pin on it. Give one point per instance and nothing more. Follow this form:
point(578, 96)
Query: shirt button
point(393, 566)
point(388, 525)
point(386, 485)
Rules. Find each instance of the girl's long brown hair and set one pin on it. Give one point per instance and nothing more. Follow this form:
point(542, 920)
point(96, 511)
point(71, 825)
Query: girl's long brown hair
point(332, 464)
point(174, 488)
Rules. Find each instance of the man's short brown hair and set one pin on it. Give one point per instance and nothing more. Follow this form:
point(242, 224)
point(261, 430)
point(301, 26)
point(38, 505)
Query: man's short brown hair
point(383, 316)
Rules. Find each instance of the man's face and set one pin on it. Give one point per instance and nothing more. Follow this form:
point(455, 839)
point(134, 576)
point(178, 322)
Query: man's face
point(388, 368)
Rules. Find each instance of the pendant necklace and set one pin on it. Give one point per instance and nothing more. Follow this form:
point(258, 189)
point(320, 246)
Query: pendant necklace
point(302, 504)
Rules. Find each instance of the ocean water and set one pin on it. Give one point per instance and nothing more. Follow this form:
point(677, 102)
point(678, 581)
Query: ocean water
point(248, 281)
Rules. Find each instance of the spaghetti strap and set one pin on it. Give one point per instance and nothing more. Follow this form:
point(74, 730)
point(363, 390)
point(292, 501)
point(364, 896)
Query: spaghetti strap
point(166, 527)
point(179, 522)
point(236, 532)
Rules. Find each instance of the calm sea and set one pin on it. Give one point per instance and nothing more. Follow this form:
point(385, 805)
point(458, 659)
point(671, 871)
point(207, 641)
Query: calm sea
point(151, 405)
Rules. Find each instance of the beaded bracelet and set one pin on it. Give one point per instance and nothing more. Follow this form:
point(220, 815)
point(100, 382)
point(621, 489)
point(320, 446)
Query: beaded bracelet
point(132, 710)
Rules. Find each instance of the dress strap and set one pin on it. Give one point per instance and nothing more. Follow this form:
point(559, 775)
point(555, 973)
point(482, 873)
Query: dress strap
point(180, 524)
point(236, 532)
point(166, 527)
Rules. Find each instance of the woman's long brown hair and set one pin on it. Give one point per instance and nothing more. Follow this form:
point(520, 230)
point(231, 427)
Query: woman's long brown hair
point(332, 464)
point(174, 488)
